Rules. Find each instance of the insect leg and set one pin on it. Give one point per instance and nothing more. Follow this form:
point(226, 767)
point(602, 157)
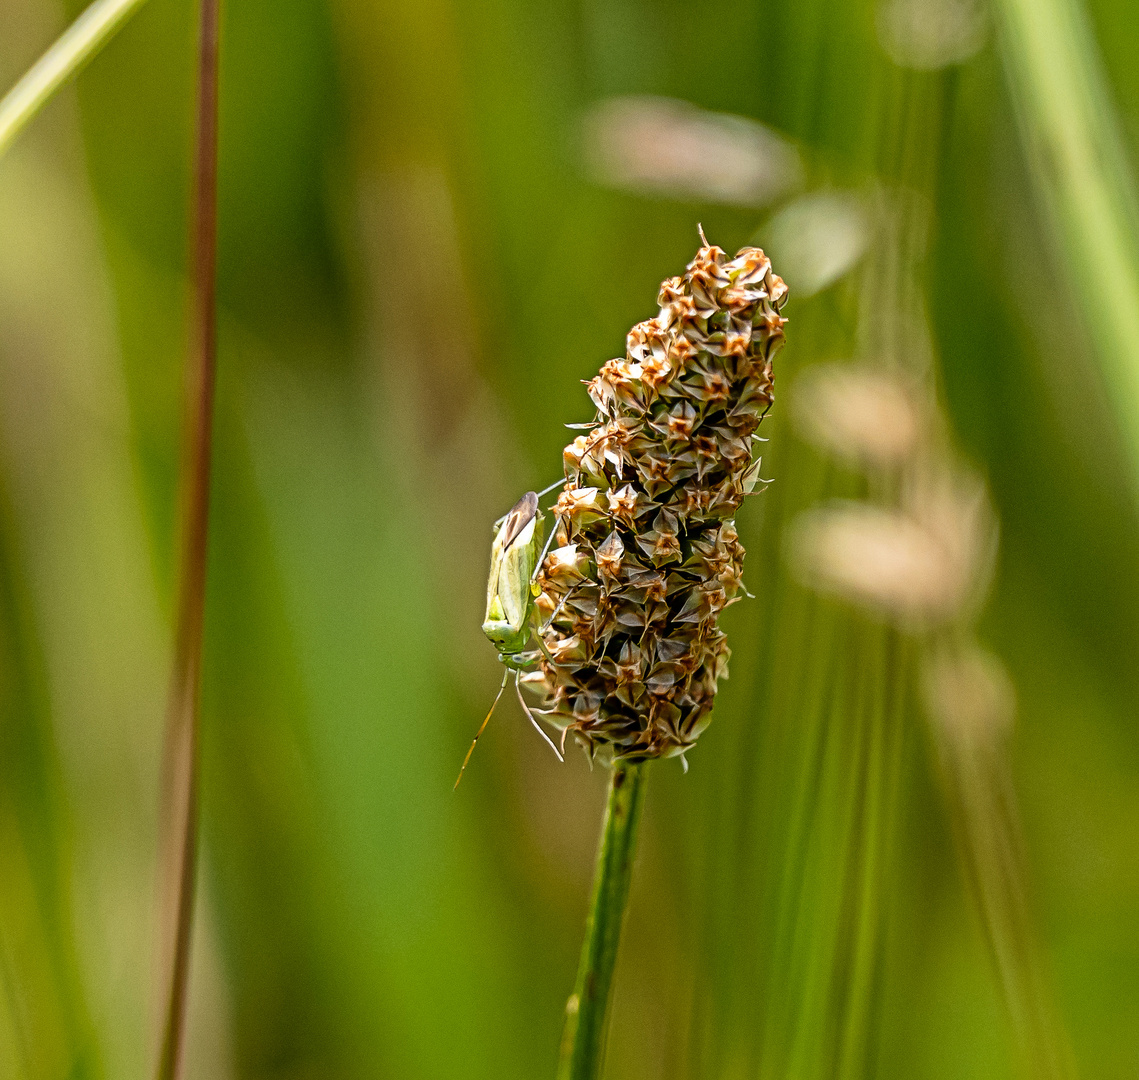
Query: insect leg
point(557, 611)
point(482, 728)
point(545, 651)
point(555, 484)
point(545, 491)
point(533, 720)
point(545, 552)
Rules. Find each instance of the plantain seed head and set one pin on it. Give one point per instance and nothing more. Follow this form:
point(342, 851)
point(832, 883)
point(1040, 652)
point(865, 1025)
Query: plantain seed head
point(648, 553)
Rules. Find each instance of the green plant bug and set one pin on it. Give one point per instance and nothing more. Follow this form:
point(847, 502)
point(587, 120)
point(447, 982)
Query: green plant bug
point(510, 592)
point(509, 595)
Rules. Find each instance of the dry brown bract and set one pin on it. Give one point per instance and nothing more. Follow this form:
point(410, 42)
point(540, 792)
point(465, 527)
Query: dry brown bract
point(649, 554)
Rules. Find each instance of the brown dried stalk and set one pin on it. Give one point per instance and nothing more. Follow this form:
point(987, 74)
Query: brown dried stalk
point(180, 816)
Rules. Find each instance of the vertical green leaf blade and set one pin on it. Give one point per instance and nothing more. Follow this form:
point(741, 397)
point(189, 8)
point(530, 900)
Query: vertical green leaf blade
point(1084, 181)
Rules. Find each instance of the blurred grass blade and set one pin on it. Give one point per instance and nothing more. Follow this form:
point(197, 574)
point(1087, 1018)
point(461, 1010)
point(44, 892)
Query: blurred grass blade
point(45, 1029)
point(971, 704)
point(78, 44)
point(1082, 171)
point(180, 788)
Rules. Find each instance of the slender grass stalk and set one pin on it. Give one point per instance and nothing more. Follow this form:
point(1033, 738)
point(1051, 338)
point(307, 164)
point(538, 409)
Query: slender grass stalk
point(970, 716)
point(1085, 182)
point(180, 791)
point(70, 52)
point(583, 1040)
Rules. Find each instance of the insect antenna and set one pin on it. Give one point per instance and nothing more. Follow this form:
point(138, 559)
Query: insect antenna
point(482, 728)
point(533, 720)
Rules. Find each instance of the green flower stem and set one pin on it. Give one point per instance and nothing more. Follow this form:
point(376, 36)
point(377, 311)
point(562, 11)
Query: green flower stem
point(583, 1041)
point(78, 44)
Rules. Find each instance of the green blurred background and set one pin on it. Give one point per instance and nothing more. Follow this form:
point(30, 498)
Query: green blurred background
point(419, 260)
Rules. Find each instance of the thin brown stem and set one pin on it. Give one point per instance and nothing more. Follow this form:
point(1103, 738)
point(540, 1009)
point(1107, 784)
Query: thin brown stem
point(180, 791)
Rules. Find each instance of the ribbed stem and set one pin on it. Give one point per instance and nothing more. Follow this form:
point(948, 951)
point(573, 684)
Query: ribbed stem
point(583, 1041)
point(74, 48)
